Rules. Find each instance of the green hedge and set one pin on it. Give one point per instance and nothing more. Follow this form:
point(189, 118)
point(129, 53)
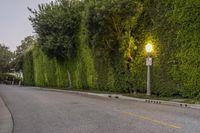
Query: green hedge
point(28, 69)
point(108, 48)
point(48, 72)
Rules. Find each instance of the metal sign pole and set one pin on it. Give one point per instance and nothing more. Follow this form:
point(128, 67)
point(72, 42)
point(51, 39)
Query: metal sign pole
point(149, 63)
point(148, 81)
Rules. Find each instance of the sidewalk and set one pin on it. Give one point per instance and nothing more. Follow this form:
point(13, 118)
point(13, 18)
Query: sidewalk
point(119, 96)
point(6, 123)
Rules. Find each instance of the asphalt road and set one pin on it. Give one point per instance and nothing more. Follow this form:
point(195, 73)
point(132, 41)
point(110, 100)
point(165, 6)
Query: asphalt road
point(39, 111)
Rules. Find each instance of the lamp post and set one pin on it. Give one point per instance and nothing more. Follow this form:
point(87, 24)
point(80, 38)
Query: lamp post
point(149, 49)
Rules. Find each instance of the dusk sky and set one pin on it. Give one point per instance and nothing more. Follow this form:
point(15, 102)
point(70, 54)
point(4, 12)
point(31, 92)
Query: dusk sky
point(14, 23)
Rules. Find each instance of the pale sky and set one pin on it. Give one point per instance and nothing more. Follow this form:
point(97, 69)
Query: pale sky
point(14, 23)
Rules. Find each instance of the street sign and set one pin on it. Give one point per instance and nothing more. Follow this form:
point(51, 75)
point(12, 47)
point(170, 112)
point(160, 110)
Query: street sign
point(149, 61)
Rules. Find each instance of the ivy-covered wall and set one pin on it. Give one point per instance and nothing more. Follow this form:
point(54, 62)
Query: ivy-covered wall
point(100, 45)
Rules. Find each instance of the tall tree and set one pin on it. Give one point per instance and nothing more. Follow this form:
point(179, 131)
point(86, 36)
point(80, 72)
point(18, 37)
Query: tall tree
point(5, 58)
point(26, 44)
point(57, 25)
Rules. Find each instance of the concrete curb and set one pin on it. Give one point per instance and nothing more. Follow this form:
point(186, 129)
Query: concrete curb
point(118, 96)
point(6, 122)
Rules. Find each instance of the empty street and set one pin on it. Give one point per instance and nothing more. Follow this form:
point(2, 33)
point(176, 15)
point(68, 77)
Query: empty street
point(40, 111)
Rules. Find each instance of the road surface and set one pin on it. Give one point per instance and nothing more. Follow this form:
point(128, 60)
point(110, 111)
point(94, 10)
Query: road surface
point(39, 111)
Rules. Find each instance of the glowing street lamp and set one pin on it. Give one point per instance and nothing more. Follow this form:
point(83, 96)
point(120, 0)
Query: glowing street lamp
point(149, 49)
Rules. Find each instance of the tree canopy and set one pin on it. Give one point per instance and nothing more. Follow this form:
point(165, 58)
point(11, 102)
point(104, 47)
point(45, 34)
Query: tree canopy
point(6, 57)
point(26, 45)
point(57, 25)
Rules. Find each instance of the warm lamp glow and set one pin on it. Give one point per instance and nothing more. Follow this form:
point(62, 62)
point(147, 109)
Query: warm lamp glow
point(149, 48)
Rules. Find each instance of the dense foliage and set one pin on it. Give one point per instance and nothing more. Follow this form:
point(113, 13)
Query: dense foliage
point(57, 25)
point(99, 44)
point(26, 45)
point(28, 69)
point(186, 16)
point(5, 58)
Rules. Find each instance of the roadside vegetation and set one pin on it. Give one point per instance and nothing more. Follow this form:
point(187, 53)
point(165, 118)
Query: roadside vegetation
point(98, 45)
point(11, 63)
point(6, 57)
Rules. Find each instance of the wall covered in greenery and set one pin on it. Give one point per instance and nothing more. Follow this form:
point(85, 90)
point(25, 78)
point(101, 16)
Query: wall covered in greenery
point(99, 45)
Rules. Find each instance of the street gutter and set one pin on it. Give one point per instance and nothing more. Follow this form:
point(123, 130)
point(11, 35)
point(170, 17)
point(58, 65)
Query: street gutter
point(119, 96)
